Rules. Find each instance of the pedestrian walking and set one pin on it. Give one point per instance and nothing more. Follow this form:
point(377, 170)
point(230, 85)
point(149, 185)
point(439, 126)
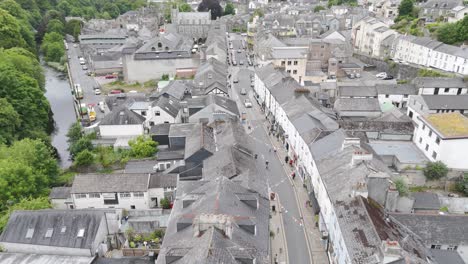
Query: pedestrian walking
point(255, 156)
point(286, 159)
point(266, 164)
point(293, 175)
point(274, 149)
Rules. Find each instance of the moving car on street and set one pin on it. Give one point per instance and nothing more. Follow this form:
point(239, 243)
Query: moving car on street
point(247, 103)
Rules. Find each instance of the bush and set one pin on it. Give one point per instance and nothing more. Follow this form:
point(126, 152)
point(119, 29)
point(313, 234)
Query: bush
point(132, 244)
point(435, 170)
point(462, 185)
point(165, 203)
point(401, 186)
point(158, 234)
point(143, 147)
point(84, 158)
point(165, 77)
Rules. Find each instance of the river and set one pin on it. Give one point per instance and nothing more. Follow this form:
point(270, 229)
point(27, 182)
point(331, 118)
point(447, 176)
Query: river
point(58, 93)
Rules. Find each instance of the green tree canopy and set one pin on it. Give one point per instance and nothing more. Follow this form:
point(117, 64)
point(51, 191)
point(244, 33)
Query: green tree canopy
point(27, 98)
point(111, 9)
point(229, 9)
point(143, 147)
point(318, 8)
point(55, 25)
point(184, 7)
point(10, 31)
point(84, 158)
point(73, 28)
point(453, 33)
point(27, 169)
point(83, 143)
point(9, 122)
point(25, 62)
point(435, 170)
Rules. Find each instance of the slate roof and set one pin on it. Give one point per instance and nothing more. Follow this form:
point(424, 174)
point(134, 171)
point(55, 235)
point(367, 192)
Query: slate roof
point(122, 116)
point(41, 220)
point(221, 198)
point(357, 91)
point(214, 102)
point(117, 100)
point(357, 104)
point(175, 89)
point(289, 52)
point(170, 154)
point(20, 258)
point(160, 180)
point(444, 229)
point(447, 256)
point(284, 89)
point(426, 201)
point(169, 105)
point(140, 166)
point(441, 82)
point(399, 89)
point(173, 41)
point(459, 102)
point(60, 193)
point(117, 182)
point(160, 129)
point(201, 137)
point(181, 130)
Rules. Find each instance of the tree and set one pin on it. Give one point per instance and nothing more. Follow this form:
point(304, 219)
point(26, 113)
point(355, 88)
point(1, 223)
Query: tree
point(82, 144)
point(143, 147)
point(405, 9)
point(84, 158)
point(401, 186)
point(462, 184)
point(55, 25)
point(24, 204)
point(213, 6)
point(165, 203)
point(10, 31)
point(27, 98)
point(229, 9)
point(73, 28)
point(74, 133)
point(435, 170)
point(111, 9)
point(9, 122)
point(185, 8)
point(25, 62)
point(318, 8)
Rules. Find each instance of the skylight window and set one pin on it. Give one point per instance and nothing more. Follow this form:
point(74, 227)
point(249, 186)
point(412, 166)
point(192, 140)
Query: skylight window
point(49, 232)
point(64, 228)
point(30, 233)
point(80, 232)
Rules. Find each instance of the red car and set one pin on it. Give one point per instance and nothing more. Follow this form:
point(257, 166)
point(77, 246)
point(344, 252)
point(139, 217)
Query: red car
point(115, 92)
point(110, 76)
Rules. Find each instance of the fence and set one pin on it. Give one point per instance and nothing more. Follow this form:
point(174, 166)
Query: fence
point(138, 252)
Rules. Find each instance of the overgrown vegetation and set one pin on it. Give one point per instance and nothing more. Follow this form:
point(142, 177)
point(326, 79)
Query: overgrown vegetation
point(435, 170)
point(453, 33)
point(432, 73)
point(401, 186)
point(462, 184)
point(318, 8)
point(165, 203)
point(342, 2)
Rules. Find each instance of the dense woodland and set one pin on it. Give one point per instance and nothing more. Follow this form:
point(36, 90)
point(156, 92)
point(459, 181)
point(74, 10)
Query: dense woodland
point(28, 28)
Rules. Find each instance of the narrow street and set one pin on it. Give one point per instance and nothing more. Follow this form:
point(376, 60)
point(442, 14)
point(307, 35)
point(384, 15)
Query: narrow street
point(298, 250)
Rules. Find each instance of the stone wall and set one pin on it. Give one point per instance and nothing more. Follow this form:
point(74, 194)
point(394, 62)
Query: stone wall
point(399, 71)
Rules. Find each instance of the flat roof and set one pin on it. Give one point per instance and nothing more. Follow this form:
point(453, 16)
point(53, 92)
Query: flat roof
point(449, 125)
point(404, 151)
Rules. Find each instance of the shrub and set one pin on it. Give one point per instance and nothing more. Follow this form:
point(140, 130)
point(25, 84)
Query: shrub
point(462, 185)
point(401, 186)
point(84, 158)
point(158, 233)
point(132, 244)
point(435, 170)
point(165, 203)
point(444, 209)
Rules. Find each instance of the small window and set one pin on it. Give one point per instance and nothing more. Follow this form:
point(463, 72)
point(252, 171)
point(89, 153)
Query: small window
point(405, 96)
point(94, 195)
point(143, 113)
point(294, 71)
point(295, 62)
point(446, 90)
point(138, 194)
point(387, 96)
point(157, 113)
point(437, 140)
point(420, 140)
point(80, 195)
point(430, 133)
point(80, 232)
point(427, 147)
point(49, 232)
point(125, 195)
point(452, 247)
point(424, 127)
point(289, 62)
point(435, 246)
point(63, 229)
point(30, 233)
point(132, 207)
point(434, 154)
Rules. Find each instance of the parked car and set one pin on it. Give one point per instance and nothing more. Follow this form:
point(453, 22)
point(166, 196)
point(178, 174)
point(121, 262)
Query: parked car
point(84, 67)
point(101, 106)
point(351, 76)
point(97, 91)
point(381, 75)
point(358, 75)
point(75, 45)
point(247, 103)
point(110, 76)
point(115, 92)
point(241, 62)
point(243, 91)
point(388, 77)
point(236, 80)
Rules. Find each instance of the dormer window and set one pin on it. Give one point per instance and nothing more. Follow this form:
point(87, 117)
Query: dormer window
point(159, 45)
point(153, 49)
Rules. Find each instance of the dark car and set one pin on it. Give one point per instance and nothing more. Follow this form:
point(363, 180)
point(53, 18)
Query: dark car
point(389, 77)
